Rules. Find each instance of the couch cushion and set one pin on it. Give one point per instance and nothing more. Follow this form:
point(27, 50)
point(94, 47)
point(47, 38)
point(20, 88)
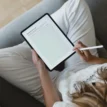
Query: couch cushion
point(98, 9)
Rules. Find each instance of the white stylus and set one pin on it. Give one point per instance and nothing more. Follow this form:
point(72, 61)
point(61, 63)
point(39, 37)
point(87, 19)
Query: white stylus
point(93, 47)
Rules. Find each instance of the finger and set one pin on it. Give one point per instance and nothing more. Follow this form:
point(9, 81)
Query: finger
point(34, 55)
point(75, 48)
point(81, 45)
point(79, 52)
point(86, 52)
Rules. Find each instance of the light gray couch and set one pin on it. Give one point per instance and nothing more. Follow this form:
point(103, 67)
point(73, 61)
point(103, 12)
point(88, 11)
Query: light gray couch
point(10, 34)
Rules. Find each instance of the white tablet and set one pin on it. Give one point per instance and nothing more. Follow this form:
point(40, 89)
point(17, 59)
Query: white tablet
point(49, 41)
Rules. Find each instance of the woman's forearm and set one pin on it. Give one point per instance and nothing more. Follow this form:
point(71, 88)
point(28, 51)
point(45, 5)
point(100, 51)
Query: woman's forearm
point(100, 60)
point(50, 93)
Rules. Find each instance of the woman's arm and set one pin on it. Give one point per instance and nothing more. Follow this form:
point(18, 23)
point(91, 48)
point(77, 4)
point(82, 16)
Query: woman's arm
point(87, 56)
point(100, 60)
point(50, 93)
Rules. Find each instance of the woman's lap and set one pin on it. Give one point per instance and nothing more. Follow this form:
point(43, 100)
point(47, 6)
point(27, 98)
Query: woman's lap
point(75, 19)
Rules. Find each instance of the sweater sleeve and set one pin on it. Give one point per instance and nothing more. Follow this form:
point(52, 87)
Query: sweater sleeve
point(64, 104)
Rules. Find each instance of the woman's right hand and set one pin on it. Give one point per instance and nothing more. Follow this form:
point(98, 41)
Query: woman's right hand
point(85, 55)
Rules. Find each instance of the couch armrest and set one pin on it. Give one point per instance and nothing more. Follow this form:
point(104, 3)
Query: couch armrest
point(99, 14)
point(10, 34)
point(101, 52)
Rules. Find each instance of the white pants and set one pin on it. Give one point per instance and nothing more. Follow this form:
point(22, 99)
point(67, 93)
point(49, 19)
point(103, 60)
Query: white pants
point(16, 64)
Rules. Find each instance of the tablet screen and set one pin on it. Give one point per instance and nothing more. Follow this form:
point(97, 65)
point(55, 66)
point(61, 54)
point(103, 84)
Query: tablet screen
point(48, 41)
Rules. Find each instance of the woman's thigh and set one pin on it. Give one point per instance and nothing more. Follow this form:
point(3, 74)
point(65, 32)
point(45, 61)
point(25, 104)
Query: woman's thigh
point(81, 28)
point(75, 20)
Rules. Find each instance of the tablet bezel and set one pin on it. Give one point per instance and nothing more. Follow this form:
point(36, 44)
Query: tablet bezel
point(58, 28)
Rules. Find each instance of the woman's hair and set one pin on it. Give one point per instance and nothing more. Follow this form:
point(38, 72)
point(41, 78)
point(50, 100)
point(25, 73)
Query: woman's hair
point(89, 95)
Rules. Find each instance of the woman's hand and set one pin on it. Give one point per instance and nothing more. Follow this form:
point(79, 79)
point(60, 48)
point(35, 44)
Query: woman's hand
point(85, 55)
point(38, 62)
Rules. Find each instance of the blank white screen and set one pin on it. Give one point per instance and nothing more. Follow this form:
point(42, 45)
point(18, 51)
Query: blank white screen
point(48, 41)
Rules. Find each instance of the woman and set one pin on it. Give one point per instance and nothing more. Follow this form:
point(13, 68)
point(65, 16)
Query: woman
point(91, 90)
point(16, 64)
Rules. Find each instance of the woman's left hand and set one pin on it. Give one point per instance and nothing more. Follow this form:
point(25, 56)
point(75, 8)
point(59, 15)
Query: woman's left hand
point(38, 62)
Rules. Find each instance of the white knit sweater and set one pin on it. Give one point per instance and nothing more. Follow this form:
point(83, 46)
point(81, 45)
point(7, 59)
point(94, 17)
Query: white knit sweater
point(66, 82)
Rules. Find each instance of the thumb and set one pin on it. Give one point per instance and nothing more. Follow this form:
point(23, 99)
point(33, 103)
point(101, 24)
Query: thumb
point(34, 56)
point(81, 44)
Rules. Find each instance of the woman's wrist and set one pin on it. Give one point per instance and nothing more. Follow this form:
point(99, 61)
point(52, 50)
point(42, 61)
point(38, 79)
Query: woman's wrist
point(43, 71)
point(95, 60)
